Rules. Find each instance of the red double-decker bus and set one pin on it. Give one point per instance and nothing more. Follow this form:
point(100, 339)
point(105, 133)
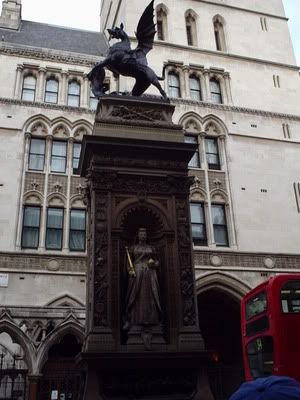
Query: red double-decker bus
point(270, 317)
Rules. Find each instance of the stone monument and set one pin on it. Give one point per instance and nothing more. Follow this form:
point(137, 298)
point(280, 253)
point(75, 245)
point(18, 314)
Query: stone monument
point(142, 335)
point(142, 338)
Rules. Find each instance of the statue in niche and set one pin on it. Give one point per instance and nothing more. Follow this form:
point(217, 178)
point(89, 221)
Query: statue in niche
point(122, 60)
point(143, 313)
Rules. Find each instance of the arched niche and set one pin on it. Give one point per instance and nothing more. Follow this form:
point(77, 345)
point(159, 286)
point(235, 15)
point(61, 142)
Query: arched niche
point(141, 215)
point(159, 236)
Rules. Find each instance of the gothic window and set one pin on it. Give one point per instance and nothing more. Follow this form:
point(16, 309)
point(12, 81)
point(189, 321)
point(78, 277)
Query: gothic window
point(198, 224)
point(195, 160)
point(212, 153)
point(51, 91)
point(74, 94)
point(191, 28)
point(76, 154)
point(29, 87)
point(219, 224)
point(36, 154)
point(59, 156)
point(77, 230)
point(195, 89)
point(54, 229)
point(215, 91)
point(161, 22)
point(219, 33)
point(174, 85)
point(93, 101)
point(31, 227)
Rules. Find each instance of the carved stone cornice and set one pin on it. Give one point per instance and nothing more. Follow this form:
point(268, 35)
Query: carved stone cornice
point(35, 104)
point(114, 182)
point(36, 262)
point(116, 161)
point(242, 110)
point(49, 55)
point(248, 261)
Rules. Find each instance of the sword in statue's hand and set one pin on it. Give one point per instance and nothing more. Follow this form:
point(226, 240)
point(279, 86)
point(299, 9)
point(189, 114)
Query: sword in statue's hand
point(131, 270)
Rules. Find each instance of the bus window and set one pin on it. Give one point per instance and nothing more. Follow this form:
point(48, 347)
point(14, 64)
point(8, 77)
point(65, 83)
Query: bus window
point(260, 356)
point(256, 305)
point(290, 297)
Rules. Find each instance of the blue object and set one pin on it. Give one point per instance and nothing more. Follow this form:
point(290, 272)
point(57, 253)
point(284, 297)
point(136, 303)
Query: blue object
point(271, 388)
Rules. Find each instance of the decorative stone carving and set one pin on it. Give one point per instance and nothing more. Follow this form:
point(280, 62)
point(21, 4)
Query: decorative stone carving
point(269, 262)
point(57, 187)
point(61, 131)
point(39, 129)
point(185, 263)
point(215, 260)
point(34, 184)
point(112, 110)
point(100, 263)
point(53, 265)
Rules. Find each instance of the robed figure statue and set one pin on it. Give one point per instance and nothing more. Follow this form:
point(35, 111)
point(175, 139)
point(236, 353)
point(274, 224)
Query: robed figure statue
point(143, 308)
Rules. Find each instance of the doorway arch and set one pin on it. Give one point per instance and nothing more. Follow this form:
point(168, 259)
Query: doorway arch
point(62, 377)
point(219, 321)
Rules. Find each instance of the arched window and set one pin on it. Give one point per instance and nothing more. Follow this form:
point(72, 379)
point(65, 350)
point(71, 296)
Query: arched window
point(51, 91)
point(219, 33)
point(74, 94)
point(29, 86)
point(215, 91)
point(161, 22)
point(191, 28)
point(195, 88)
point(174, 85)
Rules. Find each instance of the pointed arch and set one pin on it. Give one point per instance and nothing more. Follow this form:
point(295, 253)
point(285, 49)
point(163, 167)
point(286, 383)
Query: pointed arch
point(7, 325)
point(56, 200)
point(198, 194)
point(191, 27)
point(219, 196)
point(219, 125)
point(64, 299)
point(38, 118)
point(33, 197)
point(162, 21)
point(61, 120)
point(60, 130)
point(76, 201)
point(223, 281)
point(84, 123)
point(219, 23)
point(70, 326)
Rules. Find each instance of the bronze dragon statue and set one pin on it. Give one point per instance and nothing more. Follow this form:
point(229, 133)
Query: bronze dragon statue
point(122, 60)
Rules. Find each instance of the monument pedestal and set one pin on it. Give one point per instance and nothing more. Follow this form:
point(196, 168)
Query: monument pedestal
point(136, 165)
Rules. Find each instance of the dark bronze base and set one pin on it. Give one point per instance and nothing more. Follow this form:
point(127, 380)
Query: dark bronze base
point(151, 376)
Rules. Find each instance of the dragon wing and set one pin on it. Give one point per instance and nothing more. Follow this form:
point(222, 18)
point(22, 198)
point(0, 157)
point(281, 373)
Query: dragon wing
point(145, 31)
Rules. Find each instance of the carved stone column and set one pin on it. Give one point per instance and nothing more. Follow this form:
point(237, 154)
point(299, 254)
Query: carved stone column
point(207, 85)
point(63, 88)
point(186, 88)
point(85, 92)
point(17, 91)
point(40, 84)
point(228, 88)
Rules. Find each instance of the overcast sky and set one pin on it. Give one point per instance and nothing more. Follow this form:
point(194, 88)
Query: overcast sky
point(85, 15)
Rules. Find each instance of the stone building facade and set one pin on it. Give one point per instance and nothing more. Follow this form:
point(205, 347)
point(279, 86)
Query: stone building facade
point(231, 72)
